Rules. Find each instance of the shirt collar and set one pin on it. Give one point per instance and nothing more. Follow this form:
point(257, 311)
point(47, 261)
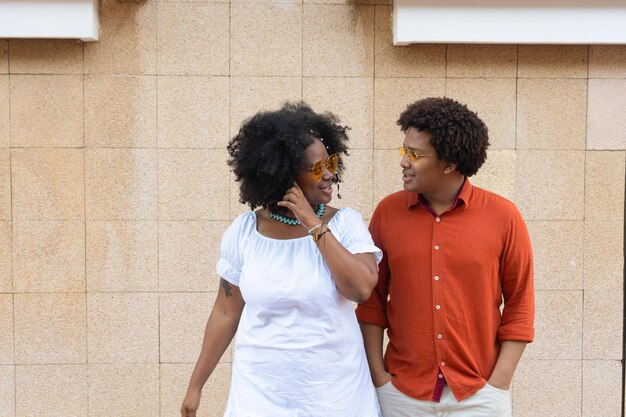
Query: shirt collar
point(462, 197)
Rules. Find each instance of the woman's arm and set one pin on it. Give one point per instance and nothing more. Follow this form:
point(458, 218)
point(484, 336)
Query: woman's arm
point(219, 332)
point(354, 274)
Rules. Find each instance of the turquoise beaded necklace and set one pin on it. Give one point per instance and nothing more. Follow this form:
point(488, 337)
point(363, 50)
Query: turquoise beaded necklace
point(321, 208)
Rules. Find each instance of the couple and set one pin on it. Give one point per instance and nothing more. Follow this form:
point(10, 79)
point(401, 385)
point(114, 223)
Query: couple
point(442, 258)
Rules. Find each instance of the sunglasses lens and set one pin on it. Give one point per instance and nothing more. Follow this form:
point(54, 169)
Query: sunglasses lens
point(333, 163)
point(318, 170)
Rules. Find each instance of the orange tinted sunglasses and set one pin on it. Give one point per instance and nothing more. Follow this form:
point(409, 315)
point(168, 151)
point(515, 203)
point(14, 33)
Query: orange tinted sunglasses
point(331, 164)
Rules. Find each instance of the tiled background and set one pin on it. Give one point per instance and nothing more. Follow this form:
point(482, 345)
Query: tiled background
point(114, 190)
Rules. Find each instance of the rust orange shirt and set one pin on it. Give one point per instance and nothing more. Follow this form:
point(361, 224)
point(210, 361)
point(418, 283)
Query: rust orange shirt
point(441, 284)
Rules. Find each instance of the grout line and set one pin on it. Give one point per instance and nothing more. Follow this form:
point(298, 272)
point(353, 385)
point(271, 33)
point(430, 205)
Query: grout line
point(85, 239)
point(158, 217)
point(11, 229)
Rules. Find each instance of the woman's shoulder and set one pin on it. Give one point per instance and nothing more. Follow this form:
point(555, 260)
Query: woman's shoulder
point(243, 224)
point(346, 216)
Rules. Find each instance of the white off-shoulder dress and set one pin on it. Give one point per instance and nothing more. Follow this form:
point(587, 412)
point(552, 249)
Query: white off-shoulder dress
point(298, 348)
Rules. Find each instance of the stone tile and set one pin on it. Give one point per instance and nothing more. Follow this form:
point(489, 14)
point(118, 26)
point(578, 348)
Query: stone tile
point(6, 330)
point(128, 34)
point(5, 140)
point(46, 110)
point(415, 60)
point(249, 95)
point(182, 319)
point(387, 173)
point(352, 2)
point(550, 184)
point(351, 99)
point(193, 112)
point(123, 328)
point(121, 184)
point(51, 390)
point(46, 56)
point(5, 184)
point(50, 328)
point(558, 254)
point(48, 184)
point(488, 61)
point(266, 39)
point(258, 1)
point(552, 61)
point(338, 40)
point(7, 388)
point(603, 319)
point(604, 185)
point(356, 188)
point(494, 100)
point(180, 173)
point(4, 56)
point(604, 261)
point(120, 111)
point(193, 38)
point(214, 395)
point(6, 281)
point(557, 335)
point(122, 256)
point(602, 388)
point(605, 113)
point(124, 390)
point(188, 253)
point(551, 114)
point(391, 97)
point(533, 391)
point(607, 61)
point(498, 173)
point(48, 256)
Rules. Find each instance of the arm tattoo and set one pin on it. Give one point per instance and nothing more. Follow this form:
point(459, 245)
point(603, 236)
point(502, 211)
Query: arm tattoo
point(228, 290)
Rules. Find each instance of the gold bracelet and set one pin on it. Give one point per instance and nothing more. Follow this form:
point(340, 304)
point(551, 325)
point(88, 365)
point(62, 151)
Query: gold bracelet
point(318, 235)
point(314, 229)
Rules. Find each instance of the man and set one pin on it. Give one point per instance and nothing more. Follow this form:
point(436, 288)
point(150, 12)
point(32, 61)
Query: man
point(453, 253)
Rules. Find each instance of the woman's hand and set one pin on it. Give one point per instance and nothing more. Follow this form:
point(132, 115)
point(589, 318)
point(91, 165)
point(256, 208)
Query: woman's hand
point(190, 403)
point(295, 201)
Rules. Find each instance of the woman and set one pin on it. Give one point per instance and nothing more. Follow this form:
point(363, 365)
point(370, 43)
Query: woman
point(289, 273)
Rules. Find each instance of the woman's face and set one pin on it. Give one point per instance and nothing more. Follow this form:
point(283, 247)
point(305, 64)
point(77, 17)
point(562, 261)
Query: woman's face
point(321, 190)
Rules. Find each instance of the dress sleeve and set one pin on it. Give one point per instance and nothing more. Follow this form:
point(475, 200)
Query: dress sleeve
point(353, 234)
point(230, 261)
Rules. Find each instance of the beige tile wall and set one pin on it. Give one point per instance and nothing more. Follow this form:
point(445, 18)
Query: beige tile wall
point(114, 190)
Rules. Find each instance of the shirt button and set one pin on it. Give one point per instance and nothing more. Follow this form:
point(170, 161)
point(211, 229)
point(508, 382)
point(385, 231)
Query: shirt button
point(438, 307)
point(443, 364)
point(438, 219)
point(439, 336)
point(440, 375)
point(436, 247)
point(436, 277)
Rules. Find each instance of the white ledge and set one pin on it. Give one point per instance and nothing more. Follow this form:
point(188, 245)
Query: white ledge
point(509, 21)
point(45, 19)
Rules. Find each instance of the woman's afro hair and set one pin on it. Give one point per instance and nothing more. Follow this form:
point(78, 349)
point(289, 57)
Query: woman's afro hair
point(268, 151)
point(457, 133)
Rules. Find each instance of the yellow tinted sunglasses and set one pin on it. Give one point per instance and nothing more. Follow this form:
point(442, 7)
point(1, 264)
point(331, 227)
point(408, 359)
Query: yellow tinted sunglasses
point(412, 155)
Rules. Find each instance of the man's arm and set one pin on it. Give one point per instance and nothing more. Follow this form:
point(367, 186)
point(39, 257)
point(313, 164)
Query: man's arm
point(510, 354)
point(373, 341)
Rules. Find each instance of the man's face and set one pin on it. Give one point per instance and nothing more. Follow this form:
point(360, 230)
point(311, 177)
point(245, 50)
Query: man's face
point(424, 174)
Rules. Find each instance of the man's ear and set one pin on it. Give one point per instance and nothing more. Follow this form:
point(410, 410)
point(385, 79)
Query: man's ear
point(449, 168)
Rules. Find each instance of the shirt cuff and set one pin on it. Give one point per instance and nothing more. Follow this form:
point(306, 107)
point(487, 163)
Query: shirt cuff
point(369, 315)
point(519, 333)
